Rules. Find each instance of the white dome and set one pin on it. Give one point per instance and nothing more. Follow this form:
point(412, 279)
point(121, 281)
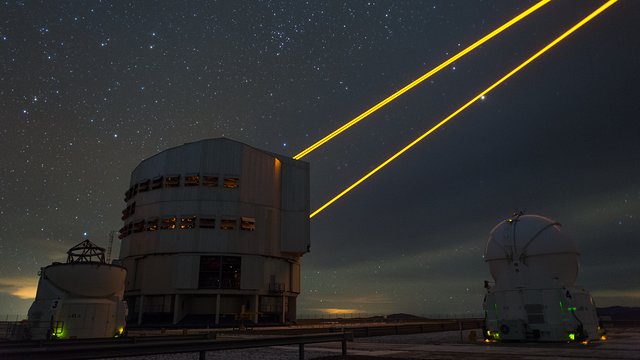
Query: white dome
point(535, 242)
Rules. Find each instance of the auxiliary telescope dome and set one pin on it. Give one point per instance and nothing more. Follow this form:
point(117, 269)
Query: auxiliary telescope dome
point(535, 242)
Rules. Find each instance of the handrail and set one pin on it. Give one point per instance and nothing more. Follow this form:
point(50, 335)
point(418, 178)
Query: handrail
point(102, 350)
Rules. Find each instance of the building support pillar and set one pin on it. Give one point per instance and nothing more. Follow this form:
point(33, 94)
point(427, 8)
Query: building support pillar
point(177, 309)
point(254, 311)
point(217, 309)
point(284, 299)
point(141, 302)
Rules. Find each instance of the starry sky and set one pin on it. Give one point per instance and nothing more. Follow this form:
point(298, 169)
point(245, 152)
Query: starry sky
point(89, 89)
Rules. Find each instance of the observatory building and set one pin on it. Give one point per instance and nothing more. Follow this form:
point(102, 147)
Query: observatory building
point(534, 298)
point(81, 298)
point(213, 232)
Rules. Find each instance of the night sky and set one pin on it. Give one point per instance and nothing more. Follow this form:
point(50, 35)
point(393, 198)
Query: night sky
point(89, 89)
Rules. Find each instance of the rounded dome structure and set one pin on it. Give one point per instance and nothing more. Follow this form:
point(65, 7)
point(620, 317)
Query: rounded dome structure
point(87, 279)
point(535, 242)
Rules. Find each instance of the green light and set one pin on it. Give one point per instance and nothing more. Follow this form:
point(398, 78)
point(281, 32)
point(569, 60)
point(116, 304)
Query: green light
point(496, 336)
point(572, 336)
point(572, 308)
point(58, 330)
point(561, 306)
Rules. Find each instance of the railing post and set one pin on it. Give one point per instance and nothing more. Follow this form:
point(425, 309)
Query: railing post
point(344, 346)
point(301, 351)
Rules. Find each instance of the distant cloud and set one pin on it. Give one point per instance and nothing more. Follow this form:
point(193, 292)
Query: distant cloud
point(629, 297)
point(21, 287)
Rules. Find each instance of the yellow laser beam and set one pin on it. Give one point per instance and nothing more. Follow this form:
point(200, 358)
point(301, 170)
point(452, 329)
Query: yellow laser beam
point(421, 79)
point(463, 107)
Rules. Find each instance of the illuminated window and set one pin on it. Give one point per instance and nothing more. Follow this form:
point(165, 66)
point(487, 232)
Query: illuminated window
point(152, 224)
point(168, 223)
point(219, 272)
point(187, 222)
point(231, 182)
point(228, 224)
point(207, 222)
point(144, 185)
point(210, 181)
point(192, 180)
point(156, 183)
point(172, 181)
point(138, 226)
point(248, 224)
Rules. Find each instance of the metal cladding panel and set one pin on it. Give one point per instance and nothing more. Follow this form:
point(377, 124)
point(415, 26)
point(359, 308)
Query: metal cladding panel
point(280, 270)
point(260, 178)
point(158, 274)
point(272, 192)
point(186, 271)
point(295, 208)
point(295, 277)
point(295, 186)
point(219, 156)
point(252, 274)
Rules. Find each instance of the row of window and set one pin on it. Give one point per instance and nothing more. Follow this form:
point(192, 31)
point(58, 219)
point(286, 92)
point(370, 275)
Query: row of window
point(128, 211)
point(170, 222)
point(175, 180)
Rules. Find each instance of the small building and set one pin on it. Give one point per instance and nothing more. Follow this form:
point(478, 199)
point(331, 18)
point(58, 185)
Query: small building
point(81, 298)
point(213, 233)
point(534, 298)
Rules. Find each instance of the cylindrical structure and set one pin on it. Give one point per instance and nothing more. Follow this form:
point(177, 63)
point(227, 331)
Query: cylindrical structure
point(533, 241)
point(213, 232)
point(79, 299)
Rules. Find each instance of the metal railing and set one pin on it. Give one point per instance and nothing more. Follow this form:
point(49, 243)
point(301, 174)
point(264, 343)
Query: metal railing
point(101, 349)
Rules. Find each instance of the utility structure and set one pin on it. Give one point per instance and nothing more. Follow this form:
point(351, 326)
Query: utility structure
point(81, 298)
point(535, 265)
point(213, 233)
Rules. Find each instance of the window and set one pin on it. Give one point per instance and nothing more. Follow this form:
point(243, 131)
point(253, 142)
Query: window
point(157, 182)
point(125, 213)
point(230, 272)
point(152, 224)
point(168, 223)
point(138, 226)
point(231, 182)
point(144, 185)
point(187, 222)
point(210, 181)
point(122, 233)
point(228, 224)
point(247, 223)
point(207, 222)
point(219, 272)
point(192, 180)
point(172, 181)
point(133, 208)
point(209, 272)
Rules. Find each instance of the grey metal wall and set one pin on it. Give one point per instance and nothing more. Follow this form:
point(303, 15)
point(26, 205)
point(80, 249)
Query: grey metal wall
point(273, 190)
